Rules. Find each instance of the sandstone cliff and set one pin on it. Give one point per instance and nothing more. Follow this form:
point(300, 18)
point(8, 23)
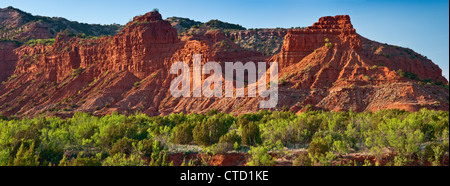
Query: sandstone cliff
point(327, 65)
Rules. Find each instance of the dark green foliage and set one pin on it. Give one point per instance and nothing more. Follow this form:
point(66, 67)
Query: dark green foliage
point(409, 75)
point(53, 25)
point(51, 154)
point(303, 160)
point(145, 147)
point(185, 22)
point(232, 137)
point(26, 157)
point(228, 142)
point(17, 43)
point(223, 25)
point(209, 131)
point(422, 82)
point(318, 147)
point(124, 146)
point(439, 83)
point(212, 112)
point(182, 134)
point(251, 134)
point(127, 129)
point(245, 119)
point(82, 160)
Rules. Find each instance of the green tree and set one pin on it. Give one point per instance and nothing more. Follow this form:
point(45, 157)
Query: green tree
point(26, 157)
point(121, 159)
point(81, 160)
point(260, 157)
point(251, 134)
point(124, 146)
point(182, 134)
point(208, 132)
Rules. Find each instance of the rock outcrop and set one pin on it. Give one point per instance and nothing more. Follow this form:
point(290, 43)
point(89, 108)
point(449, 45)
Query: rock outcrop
point(298, 43)
point(327, 65)
point(22, 26)
point(334, 68)
point(7, 59)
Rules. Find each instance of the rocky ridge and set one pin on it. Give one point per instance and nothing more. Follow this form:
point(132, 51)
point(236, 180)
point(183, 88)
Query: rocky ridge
point(17, 25)
point(325, 66)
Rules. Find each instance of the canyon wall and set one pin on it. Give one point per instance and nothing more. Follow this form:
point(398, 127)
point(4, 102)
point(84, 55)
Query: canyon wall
point(325, 66)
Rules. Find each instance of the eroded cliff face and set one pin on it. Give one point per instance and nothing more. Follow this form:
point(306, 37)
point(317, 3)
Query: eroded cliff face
point(299, 43)
point(7, 59)
point(129, 72)
point(352, 72)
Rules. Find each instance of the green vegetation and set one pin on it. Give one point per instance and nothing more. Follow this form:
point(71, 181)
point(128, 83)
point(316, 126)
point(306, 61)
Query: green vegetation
point(46, 42)
point(136, 84)
point(414, 76)
point(77, 71)
point(328, 44)
point(53, 25)
point(136, 140)
point(17, 43)
point(185, 22)
point(223, 25)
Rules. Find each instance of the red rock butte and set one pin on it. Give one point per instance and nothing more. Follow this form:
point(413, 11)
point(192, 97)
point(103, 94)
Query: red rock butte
point(325, 66)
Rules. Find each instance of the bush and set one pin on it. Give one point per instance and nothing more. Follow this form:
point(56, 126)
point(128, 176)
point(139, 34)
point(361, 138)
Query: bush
point(251, 134)
point(223, 147)
point(223, 25)
point(85, 161)
point(121, 159)
point(51, 154)
point(302, 160)
point(231, 138)
point(26, 157)
point(208, 132)
point(125, 139)
point(47, 42)
point(182, 134)
point(245, 119)
point(145, 147)
point(328, 44)
point(434, 153)
point(318, 147)
point(260, 157)
point(124, 146)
